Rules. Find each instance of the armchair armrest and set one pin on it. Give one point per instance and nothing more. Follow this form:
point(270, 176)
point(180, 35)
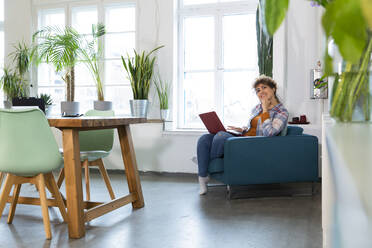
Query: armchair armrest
point(257, 160)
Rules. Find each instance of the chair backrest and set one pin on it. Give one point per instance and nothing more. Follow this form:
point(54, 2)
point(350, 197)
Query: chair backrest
point(293, 130)
point(27, 144)
point(97, 140)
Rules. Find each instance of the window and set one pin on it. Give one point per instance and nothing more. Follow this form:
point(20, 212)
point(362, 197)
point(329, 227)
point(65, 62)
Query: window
point(48, 81)
point(217, 60)
point(119, 19)
point(1, 44)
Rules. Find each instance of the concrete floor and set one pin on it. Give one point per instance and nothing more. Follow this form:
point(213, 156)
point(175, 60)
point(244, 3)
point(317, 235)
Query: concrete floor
point(176, 216)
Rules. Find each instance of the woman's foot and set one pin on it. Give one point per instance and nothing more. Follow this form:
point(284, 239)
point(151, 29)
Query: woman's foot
point(203, 185)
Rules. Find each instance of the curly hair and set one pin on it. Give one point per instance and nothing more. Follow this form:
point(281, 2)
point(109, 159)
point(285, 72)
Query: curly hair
point(268, 81)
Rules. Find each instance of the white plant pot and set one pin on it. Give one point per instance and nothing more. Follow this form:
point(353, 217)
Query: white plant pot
point(164, 114)
point(138, 108)
point(102, 105)
point(48, 110)
point(70, 108)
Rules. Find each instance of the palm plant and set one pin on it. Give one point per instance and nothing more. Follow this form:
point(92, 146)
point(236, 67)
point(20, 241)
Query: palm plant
point(91, 54)
point(12, 85)
point(61, 48)
point(140, 70)
point(162, 89)
point(22, 59)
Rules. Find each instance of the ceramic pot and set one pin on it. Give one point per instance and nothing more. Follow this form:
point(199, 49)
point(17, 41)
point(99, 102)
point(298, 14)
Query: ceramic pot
point(102, 105)
point(164, 114)
point(70, 108)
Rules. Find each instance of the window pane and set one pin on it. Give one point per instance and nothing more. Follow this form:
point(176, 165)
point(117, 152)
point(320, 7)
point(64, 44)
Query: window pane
point(1, 10)
point(239, 97)
point(120, 96)
point(115, 72)
point(199, 43)
point(57, 94)
point(224, 1)
point(1, 49)
point(189, 2)
point(85, 96)
point(119, 44)
point(83, 18)
point(83, 75)
point(120, 18)
point(47, 76)
point(52, 17)
point(198, 97)
point(239, 40)
point(1, 60)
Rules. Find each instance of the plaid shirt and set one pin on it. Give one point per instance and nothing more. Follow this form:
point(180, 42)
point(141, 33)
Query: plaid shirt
point(272, 126)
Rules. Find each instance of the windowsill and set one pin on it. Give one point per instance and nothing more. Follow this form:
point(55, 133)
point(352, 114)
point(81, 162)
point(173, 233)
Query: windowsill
point(184, 132)
point(168, 129)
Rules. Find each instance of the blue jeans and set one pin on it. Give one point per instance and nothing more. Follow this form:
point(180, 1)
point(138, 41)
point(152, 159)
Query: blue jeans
point(210, 146)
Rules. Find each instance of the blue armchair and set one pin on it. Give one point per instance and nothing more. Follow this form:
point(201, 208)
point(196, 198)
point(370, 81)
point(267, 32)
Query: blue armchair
point(264, 160)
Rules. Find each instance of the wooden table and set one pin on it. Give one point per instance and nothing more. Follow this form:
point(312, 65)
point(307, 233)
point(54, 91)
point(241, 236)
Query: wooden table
point(70, 127)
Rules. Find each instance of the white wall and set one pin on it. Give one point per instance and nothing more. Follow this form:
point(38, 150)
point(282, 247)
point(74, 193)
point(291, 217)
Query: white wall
point(172, 152)
point(17, 24)
point(304, 50)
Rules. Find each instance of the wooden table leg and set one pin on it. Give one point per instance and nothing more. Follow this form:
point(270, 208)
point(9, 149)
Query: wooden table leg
point(130, 163)
point(73, 181)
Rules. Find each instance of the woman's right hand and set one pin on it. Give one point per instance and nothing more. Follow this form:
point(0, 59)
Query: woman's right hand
point(266, 104)
point(238, 129)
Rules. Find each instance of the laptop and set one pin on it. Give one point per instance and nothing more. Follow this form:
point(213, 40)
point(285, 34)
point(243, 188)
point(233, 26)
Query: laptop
point(214, 124)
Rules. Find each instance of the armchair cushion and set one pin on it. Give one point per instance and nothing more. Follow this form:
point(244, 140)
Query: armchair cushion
point(260, 160)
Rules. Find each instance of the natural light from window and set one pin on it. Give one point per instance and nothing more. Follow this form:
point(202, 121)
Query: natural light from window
point(218, 58)
point(1, 44)
point(120, 38)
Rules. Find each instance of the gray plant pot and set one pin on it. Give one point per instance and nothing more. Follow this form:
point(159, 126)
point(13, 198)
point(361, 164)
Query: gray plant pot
point(7, 104)
point(138, 108)
point(164, 114)
point(102, 105)
point(70, 108)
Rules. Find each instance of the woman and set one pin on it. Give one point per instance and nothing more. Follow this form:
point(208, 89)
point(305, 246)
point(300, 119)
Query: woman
point(268, 118)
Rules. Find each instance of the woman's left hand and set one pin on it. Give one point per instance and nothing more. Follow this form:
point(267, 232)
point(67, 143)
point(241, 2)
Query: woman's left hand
point(238, 129)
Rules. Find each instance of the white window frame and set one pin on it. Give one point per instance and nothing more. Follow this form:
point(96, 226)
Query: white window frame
point(68, 5)
point(217, 10)
point(2, 95)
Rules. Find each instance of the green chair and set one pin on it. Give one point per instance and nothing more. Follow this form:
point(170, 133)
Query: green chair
point(94, 146)
point(28, 154)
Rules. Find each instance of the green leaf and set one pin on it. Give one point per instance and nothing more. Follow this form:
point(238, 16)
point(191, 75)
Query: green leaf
point(367, 11)
point(275, 12)
point(343, 20)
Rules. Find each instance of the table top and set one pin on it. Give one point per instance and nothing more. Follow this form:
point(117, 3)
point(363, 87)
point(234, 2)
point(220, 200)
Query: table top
point(93, 121)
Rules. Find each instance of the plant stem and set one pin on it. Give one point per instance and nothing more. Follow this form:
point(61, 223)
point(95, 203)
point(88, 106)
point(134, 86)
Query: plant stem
point(358, 82)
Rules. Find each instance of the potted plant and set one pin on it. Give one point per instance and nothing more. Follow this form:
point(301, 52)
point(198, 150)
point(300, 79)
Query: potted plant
point(47, 99)
point(162, 89)
point(21, 56)
point(12, 86)
point(61, 48)
point(91, 54)
point(140, 70)
point(349, 25)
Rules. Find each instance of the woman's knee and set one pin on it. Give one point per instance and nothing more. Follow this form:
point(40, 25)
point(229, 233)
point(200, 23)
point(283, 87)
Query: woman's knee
point(205, 139)
point(221, 135)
